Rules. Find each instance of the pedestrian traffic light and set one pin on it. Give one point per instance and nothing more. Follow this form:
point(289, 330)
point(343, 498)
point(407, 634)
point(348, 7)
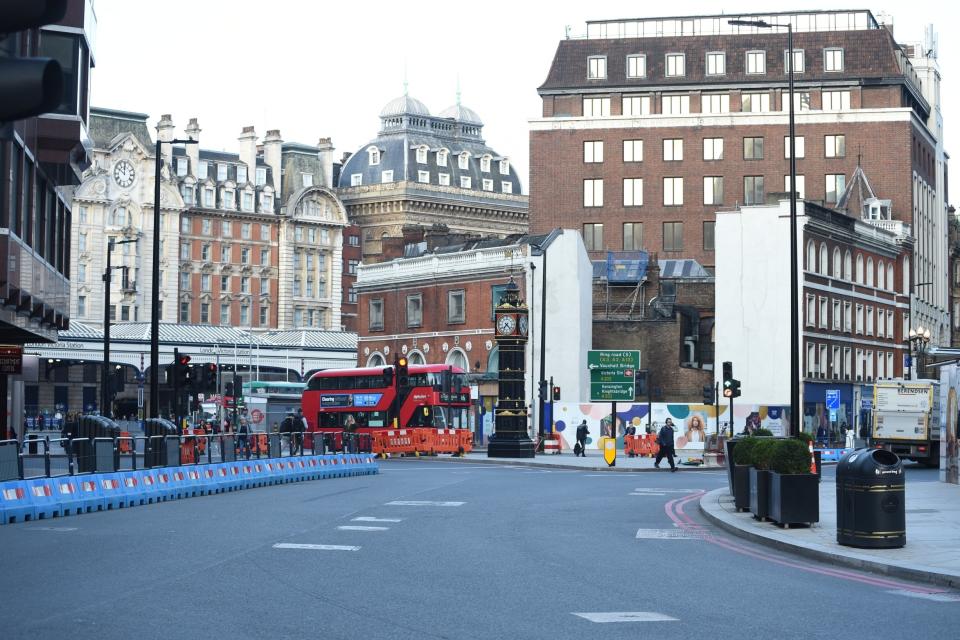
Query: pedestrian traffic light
point(708, 394)
point(209, 384)
point(28, 86)
point(403, 373)
point(556, 394)
point(228, 389)
point(184, 372)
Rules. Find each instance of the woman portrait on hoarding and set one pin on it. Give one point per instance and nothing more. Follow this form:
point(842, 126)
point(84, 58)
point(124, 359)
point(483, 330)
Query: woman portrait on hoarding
point(695, 429)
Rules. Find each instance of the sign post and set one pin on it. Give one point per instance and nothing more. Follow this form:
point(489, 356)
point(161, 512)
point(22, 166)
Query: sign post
point(612, 379)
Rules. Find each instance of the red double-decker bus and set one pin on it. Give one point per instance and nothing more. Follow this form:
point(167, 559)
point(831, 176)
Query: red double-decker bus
point(367, 399)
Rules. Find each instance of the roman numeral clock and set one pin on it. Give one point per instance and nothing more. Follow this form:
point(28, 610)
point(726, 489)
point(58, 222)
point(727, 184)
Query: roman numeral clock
point(510, 438)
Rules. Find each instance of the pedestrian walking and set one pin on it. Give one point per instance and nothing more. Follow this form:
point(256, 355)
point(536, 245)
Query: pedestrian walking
point(665, 440)
point(580, 449)
point(286, 429)
point(243, 436)
point(300, 427)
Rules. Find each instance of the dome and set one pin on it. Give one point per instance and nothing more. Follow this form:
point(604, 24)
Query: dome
point(404, 105)
point(462, 114)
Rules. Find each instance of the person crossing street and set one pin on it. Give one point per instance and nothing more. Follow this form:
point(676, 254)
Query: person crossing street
point(665, 440)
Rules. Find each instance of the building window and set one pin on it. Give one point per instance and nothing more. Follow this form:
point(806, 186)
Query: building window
point(443, 179)
point(82, 306)
point(859, 318)
point(226, 228)
point(224, 284)
point(869, 321)
point(823, 313)
point(636, 66)
point(504, 167)
point(675, 105)
point(221, 172)
point(353, 241)
point(673, 236)
point(224, 253)
point(708, 235)
point(672, 149)
point(245, 230)
point(801, 190)
point(83, 215)
point(596, 67)
point(264, 232)
point(713, 190)
point(184, 225)
point(184, 312)
point(756, 62)
point(204, 313)
point(422, 155)
point(797, 61)
point(593, 151)
point(224, 313)
point(833, 59)
point(81, 272)
point(205, 282)
point(798, 143)
point(227, 199)
point(632, 236)
point(244, 314)
point(245, 255)
point(715, 103)
point(801, 101)
point(633, 150)
point(414, 310)
point(184, 280)
point(672, 191)
point(185, 250)
point(837, 319)
point(487, 184)
point(187, 192)
point(755, 102)
point(356, 179)
point(753, 190)
point(245, 284)
point(835, 185)
point(753, 148)
point(835, 146)
point(352, 266)
point(261, 176)
point(465, 182)
point(455, 307)
point(593, 193)
point(675, 65)
point(246, 201)
point(596, 107)
point(713, 148)
point(633, 192)
point(635, 105)
point(386, 176)
point(266, 202)
point(205, 251)
point(442, 157)
point(202, 170)
point(716, 63)
point(374, 156)
point(869, 279)
point(836, 100)
point(810, 318)
point(889, 324)
point(206, 226)
point(352, 295)
point(241, 174)
point(423, 176)
point(593, 236)
point(463, 160)
point(264, 314)
point(506, 186)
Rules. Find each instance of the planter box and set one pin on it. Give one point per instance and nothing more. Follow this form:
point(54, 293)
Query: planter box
point(794, 498)
point(759, 493)
point(741, 487)
point(730, 445)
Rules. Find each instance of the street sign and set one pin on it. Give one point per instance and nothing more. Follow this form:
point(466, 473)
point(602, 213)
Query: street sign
point(140, 397)
point(833, 415)
point(609, 450)
point(833, 399)
point(866, 404)
point(11, 359)
point(612, 374)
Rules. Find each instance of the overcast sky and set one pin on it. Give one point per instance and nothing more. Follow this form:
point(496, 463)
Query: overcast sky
point(319, 69)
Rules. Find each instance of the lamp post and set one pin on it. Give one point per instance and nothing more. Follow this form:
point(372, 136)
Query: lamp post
point(155, 277)
point(543, 342)
point(914, 332)
point(920, 338)
point(105, 378)
point(795, 415)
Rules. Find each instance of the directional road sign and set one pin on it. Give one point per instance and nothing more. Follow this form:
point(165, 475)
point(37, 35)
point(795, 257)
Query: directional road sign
point(612, 375)
point(833, 399)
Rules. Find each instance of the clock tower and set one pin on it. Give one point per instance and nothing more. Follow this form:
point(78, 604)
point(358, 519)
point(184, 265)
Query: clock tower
point(511, 322)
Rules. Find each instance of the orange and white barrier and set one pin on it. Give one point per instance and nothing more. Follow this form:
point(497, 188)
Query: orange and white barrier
point(552, 443)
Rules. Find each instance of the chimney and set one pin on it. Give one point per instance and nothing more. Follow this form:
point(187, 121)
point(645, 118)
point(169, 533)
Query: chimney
point(248, 151)
point(272, 148)
point(325, 145)
point(193, 150)
point(165, 134)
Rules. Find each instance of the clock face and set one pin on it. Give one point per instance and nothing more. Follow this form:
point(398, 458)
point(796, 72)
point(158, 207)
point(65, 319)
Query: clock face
point(124, 173)
point(523, 325)
point(506, 325)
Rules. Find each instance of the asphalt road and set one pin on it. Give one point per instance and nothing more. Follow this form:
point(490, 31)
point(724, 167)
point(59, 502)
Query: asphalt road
point(496, 552)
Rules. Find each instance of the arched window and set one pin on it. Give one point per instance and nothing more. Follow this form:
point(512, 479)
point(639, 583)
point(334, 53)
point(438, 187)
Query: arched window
point(376, 360)
point(374, 155)
point(859, 269)
point(811, 256)
point(869, 272)
point(906, 275)
point(824, 266)
point(415, 357)
point(881, 276)
point(458, 358)
point(493, 360)
point(837, 264)
point(890, 283)
point(847, 267)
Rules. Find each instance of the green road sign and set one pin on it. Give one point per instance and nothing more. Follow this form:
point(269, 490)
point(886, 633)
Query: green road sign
point(612, 375)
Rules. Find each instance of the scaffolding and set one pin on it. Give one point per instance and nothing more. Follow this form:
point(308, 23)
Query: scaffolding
point(622, 277)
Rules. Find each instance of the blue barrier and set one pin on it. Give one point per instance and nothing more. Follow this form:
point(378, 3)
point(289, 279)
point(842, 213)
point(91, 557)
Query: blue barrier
point(300, 468)
point(15, 503)
point(132, 496)
point(43, 494)
point(164, 478)
point(248, 475)
point(91, 494)
point(196, 481)
point(68, 494)
point(230, 473)
point(111, 488)
point(141, 485)
point(209, 479)
point(181, 483)
point(313, 468)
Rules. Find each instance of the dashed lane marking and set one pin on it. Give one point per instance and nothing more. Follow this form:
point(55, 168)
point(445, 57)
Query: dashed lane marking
point(423, 503)
point(626, 616)
point(668, 534)
point(348, 527)
point(316, 547)
point(58, 529)
point(371, 519)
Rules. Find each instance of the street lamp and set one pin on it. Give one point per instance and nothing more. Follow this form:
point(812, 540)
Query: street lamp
point(105, 378)
point(795, 415)
point(914, 332)
point(542, 386)
point(155, 297)
point(920, 338)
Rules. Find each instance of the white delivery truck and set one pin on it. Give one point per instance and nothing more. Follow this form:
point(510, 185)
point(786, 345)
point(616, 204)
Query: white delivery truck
point(906, 419)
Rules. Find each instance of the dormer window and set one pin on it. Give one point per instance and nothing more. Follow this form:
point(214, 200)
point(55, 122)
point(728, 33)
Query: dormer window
point(374, 156)
point(465, 182)
point(247, 201)
point(261, 176)
point(487, 184)
point(241, 174)
point(506, 186)
point(597, 67)
point(356, 179)
point(485, 164)
point(221, 172)
point(202, 170)
point(442, 157)
point(463, 160)
point(227, 199)
point(266, 203)
point(422, 155)
point(756, 62)
point(504, 167)
point(181, 167)
point(387, 176)
point(208, 197)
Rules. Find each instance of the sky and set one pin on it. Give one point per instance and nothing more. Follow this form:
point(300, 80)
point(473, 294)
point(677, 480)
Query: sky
point(318, 69)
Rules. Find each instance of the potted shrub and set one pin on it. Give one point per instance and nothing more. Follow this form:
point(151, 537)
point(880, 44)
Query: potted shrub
point(743, 460)
point(760, 477)
point(794, 496)
point(806, 438)
point(762, 432)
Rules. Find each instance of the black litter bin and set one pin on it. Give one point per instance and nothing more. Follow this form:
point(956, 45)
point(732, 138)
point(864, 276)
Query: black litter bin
point(871, 510)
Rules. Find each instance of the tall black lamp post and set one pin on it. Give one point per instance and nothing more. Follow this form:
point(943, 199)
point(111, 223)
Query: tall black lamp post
point(105, 378)
point(542, 386)
point(919, 339)
point(795, 415)
point(155, 296)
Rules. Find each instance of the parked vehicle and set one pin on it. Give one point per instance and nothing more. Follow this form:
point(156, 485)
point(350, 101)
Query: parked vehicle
point(906, 419)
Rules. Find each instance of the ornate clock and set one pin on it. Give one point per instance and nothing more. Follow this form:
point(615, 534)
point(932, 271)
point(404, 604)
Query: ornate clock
point(506, 324)
point(511, 438)
point(124, 173)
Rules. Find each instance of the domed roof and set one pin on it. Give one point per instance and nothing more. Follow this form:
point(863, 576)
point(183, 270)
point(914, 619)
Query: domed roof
point(404, 105)
point(462, 113)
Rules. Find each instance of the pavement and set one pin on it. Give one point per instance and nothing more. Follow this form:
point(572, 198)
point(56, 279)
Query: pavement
point(931, 555)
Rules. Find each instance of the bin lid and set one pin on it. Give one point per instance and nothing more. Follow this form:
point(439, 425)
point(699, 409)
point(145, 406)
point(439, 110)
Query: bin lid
point(869, 464)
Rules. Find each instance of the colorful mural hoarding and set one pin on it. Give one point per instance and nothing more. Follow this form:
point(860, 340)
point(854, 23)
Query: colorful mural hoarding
point(949, 424)
point(692, 422)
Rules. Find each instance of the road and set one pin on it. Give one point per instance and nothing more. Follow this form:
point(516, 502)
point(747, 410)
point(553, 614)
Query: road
point(440, 550)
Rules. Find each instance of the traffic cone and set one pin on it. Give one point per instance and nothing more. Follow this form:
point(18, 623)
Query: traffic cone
point(813, 458)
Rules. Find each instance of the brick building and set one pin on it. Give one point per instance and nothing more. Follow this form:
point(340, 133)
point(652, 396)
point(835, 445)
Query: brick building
point(650, 126)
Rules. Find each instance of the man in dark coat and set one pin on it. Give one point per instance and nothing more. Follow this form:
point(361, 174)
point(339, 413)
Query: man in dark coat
point(665, 440)
point(582, 432)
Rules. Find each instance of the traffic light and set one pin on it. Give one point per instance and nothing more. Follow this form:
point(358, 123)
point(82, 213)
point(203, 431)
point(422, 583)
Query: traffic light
point(708, 394)
point(184, 373)
point(209, 384)
point(403, 373)
point(543, 390)
point(228, 389)
point(734, 388)
point(556, 394)
point(28, 86)
point(731, 386)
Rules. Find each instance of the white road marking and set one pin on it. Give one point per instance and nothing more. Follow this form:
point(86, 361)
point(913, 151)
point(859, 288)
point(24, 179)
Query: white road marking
point(936, 597)
point(668, 534)
point(371, 519)
point(61, 529)
point(626, 616)
point(662, 491)
point(316, 547)
point(646, 493)
point(423, 503)
point(359, 528)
